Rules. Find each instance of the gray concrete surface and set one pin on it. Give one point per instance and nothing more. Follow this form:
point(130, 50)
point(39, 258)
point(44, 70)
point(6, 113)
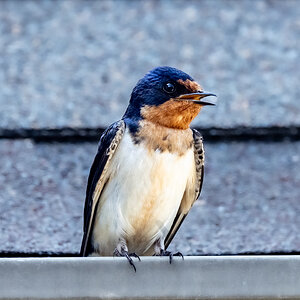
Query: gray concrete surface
point(74, 63)
point(250, 199)
point(255, 277)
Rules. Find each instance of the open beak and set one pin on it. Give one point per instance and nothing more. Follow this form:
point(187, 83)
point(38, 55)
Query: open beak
point(197, 98)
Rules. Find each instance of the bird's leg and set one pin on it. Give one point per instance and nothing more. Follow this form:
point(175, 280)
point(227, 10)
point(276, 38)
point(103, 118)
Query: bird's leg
point(159, 249)
point(122, 250)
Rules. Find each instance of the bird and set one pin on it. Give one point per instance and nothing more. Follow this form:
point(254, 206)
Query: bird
point(148, 170)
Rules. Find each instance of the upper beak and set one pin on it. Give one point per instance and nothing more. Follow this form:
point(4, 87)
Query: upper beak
point(196, 98)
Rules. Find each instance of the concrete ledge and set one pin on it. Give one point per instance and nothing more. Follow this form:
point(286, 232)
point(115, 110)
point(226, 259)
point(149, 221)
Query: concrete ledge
point(231, 277)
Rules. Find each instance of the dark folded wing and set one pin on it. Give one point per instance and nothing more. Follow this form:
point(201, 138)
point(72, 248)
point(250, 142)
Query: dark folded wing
point(109, 142)
point(192, 192)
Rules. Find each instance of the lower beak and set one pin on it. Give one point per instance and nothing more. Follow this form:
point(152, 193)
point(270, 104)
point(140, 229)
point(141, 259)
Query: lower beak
point(197, 98)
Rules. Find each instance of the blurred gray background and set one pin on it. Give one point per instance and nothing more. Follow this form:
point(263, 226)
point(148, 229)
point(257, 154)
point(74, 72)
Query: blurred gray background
point(73, 64)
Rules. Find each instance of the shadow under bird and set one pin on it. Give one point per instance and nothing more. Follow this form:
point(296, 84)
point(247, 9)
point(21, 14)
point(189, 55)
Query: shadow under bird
point(148, 170)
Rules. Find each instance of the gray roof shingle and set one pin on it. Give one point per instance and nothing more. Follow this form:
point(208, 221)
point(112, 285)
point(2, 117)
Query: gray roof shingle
point(74, 63)
point(249, 202)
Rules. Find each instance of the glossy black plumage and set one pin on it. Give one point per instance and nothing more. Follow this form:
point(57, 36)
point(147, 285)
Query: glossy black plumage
point(96, 170)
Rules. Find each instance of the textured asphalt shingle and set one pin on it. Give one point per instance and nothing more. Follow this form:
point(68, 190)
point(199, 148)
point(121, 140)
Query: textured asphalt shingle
point(74, 63)
point(250, 199)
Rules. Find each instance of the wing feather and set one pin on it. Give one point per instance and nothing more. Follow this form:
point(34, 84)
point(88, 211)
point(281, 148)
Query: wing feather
point(108, 144)
point(190, 196)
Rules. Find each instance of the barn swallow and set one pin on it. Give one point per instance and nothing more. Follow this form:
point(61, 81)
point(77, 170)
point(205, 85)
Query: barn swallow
point(148, 170)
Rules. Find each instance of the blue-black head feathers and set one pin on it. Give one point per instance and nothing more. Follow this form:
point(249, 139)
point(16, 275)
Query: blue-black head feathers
point(155, 88)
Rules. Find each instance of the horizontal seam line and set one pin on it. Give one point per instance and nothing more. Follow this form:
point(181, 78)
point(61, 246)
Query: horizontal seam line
point(15, 254)
point(66, 134)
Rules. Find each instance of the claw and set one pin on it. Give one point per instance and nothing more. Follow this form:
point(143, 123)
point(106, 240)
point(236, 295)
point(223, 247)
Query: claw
point(134, 255)
point(125, 253)
point(129, 260)
point(170, 254)
point(179, 254)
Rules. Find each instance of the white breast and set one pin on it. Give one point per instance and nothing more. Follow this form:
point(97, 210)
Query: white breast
point(141, 197)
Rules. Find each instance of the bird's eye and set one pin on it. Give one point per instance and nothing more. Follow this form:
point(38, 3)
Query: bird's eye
point(169, 87)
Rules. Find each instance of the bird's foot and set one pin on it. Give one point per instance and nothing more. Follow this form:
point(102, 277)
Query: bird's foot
point(170, 254)
point(133, 254)
point(124, 253)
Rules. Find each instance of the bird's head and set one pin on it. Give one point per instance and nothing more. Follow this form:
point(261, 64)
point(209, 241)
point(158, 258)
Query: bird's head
point(168, 97)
